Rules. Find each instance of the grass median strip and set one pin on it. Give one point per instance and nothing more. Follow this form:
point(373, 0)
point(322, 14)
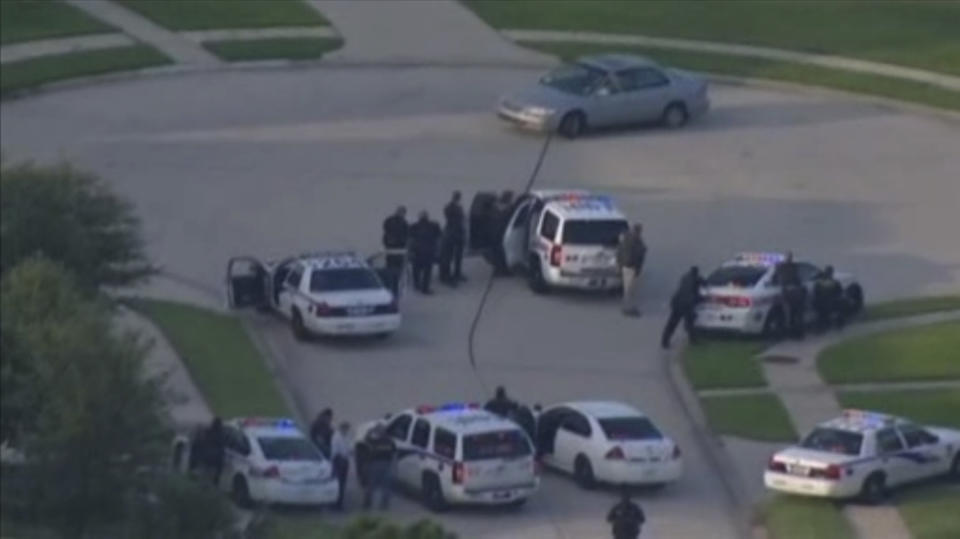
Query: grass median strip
point(760, 68)
point(793, 517)
point(29, 20)
point(927, 406)
point(917, 353)
point(931, 513)
point(274, 48)
point(759, 416)
point(222, 360)
point(917, 33)
point(723, 364)
point(911, 307)
point(38, 71)
point(210, 14)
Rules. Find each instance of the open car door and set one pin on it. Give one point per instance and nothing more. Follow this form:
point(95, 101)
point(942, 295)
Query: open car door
point(482, 222)
point(247, 283)
point(516, 235)
point(378, 262)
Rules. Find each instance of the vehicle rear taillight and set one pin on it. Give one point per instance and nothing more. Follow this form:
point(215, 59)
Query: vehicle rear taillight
point(737, 301)
point(556, 255)
point(831, 472)
point(676, 452)
point(459, 473)
point(321, 309)
point(615, 454)
point(268, 472)
point(776, 466)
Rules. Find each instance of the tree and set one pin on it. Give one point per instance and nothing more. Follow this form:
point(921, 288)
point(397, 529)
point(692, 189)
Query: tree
point(90, 422)
point(70, 217)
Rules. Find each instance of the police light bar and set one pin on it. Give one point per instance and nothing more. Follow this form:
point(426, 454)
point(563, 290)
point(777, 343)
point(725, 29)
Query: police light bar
point(275, 422)
point(763, 259)
point(448, 407)
point(867, 417)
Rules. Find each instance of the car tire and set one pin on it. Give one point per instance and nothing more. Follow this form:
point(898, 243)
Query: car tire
point(583, 473)
point(432, 494)
point(297, 327)
point(573, 124)
point(535, 278)
point(854, 296)
point(874, 490)
point(773, 324)
point(240, 493)
point(675, 116)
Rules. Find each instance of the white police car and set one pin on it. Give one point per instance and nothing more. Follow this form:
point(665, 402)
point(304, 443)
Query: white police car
point(863, 454)
point(561, 238)
point(744, 294)
point(460, 454)
point(269, 460)
point(326, 293)
point(606, 441)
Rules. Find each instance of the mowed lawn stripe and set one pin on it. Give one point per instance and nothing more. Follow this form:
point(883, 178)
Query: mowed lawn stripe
point(210, 14)
point(899, 308)
point(47, 69)
point(931, 512)
point(30, 20)
point(756, 417)
point(919, 353)
point(723, 364)
point(795, 517)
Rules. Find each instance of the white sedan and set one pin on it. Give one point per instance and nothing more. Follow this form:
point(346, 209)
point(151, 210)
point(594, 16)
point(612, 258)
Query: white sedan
point(610, 442)
point(863, 454)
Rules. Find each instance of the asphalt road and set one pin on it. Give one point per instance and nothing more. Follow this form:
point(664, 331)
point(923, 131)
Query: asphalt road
point(273, 162)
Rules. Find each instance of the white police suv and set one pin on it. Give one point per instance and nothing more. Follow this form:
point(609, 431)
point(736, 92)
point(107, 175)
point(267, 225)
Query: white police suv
point(744, 294)
point(606, 441)
point(863, 454)
point(460, 454)
point(270, 460)
point(561, 238)
point(325, 293)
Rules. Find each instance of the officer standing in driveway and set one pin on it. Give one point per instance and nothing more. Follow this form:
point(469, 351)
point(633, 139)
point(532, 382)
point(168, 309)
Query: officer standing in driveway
point(626, 517)
point(794, 295)
point(378, 468)
point(454, 238)
point(682, 306)
point(631, 252)
point(828, 300)
point(424, 238)
point(395, 239)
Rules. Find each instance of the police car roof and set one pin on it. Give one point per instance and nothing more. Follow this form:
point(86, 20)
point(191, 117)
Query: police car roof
point(605, 409)
point(861, 421)
point(279, 427)
point(579, 204)
point(756, 258)
point(328, 260)
point(467, 420)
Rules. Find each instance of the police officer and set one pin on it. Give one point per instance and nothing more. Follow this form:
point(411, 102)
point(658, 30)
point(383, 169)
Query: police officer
point(214, 442)
point(500, 404)
point(682, 307)
point(498, 227)
point(321, 431)
point(794, 294)
point(395, 239)
point(379, 455)
point(626, 517)
point(522, 415)
point(828, 300)
point(631, 252)
point(454, 237)
point(424, 236)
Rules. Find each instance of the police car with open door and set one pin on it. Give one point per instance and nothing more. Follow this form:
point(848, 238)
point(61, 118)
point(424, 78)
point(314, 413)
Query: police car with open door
point(559, 238)
point(459, 454)
point(326, 293)
point(744, 294)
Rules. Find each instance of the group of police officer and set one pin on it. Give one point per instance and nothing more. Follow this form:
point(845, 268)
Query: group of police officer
point(829, 304)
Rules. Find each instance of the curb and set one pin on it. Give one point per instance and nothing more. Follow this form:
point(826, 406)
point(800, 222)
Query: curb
point(280, 377)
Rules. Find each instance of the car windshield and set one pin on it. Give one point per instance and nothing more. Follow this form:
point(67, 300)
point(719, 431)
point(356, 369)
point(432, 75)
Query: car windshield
point(332, 280)
point(742, 276)
point(288, 448)
point(501, 444)
point(598, 232)
point(629, 428)
point(842, 442)
point(576, 79)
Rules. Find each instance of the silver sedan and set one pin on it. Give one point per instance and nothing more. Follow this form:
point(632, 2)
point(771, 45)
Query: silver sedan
point(606, 90)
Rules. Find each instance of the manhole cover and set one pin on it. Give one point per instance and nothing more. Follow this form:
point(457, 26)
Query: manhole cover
point(780, 359)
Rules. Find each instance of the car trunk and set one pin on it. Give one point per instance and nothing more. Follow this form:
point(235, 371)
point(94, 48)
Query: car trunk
point(591, 260)
point(494, 460)
point(646, 450)
point(801, 462)
point(303, 471)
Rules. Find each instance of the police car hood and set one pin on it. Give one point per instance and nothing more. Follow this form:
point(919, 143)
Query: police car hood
point(354, 298)
point(812, 457)
point(950, 436)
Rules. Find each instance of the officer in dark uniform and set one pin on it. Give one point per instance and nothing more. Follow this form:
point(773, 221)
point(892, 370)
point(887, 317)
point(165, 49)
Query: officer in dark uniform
point(214, 443)
point(498, 223)
point(454, 238)
point(321, 431)
point(500, 404)
point(522, 415)
point(424, 238)
point(682, 306)
point(626, 517)
point(395, 239)
point(379, 463)
point(828, 300)
point(794, 295)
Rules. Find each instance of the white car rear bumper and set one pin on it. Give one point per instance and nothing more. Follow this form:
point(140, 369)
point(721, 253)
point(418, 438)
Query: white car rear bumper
point(639, 473)
point(277, 491)
point(731, 319)
point(491, 495)
point(355, 325)
point(806, 486)
point(600, 280)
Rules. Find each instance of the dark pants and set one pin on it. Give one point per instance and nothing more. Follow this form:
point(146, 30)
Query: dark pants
point(422, 272)
point(686, 314)
point(379, 476)
point(395, 265)
point(451, 259)
point(830, 312)
point(626, 535)
point(341, 467)
point(796, 311)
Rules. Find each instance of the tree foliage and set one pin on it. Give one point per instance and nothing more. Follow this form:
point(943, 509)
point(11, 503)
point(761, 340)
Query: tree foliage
point(70, 217)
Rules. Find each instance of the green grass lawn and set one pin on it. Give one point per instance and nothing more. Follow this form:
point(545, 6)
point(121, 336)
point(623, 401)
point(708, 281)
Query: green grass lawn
point(31, 73)
point(723, 364)
point(756, 417)
point(222, 360)
point(920, 353)
point(916, 33)
point(793, 517)
point(210, 14)
point(268, 49)
point(27, 20)
point(931, 512)
point(927, 406)
point(759, 68)
point(911, 306)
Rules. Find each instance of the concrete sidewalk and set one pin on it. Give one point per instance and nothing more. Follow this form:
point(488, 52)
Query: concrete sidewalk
point(16, 52)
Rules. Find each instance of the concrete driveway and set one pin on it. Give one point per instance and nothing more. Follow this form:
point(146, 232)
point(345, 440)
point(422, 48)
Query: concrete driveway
point(272, 162)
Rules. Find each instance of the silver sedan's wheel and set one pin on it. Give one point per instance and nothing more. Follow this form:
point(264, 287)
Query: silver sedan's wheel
point(675, 115)
point(573, 124)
